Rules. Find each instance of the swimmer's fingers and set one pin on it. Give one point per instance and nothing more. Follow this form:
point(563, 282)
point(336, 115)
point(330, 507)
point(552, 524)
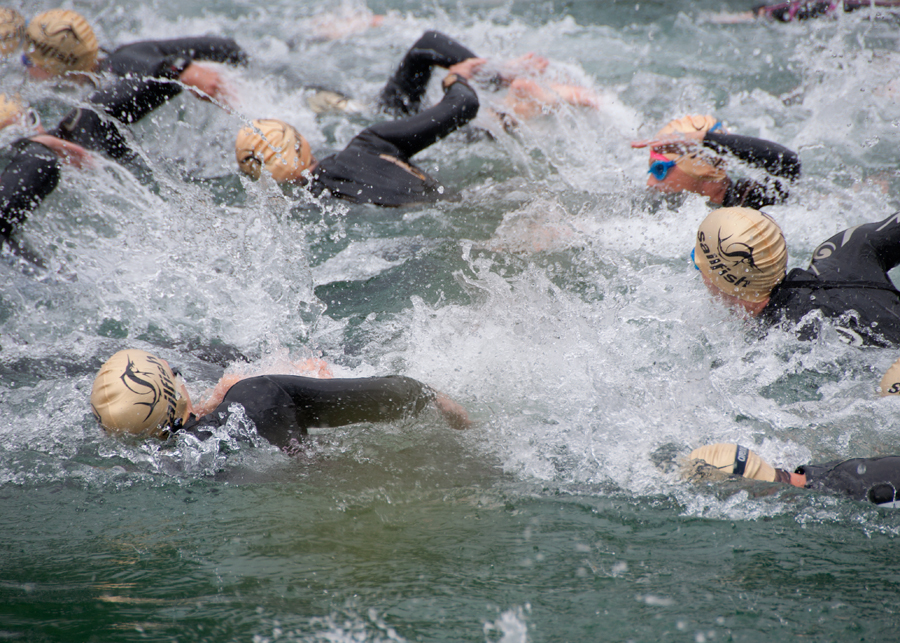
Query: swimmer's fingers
point(206, 83)
point(70, 153)
point(679, 141)
point(467, 68)
point(455, 415)
point(531, 62)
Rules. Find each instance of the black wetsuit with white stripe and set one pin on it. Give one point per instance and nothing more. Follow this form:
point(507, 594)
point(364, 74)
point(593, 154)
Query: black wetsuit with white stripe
point(847, 284)
point(284, 407)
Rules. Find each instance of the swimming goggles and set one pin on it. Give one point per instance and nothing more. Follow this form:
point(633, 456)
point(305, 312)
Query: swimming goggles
point(694, 260)
point(26, 61)
point(660, 166)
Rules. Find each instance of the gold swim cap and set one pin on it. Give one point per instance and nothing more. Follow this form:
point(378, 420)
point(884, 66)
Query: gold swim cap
point(10, 110)
point(890, 383)
point(136, 393)
point(12, 30)
point(742, 252)
point(699, 165)
point(732, 459)
point(276, 145)
point(60, 41)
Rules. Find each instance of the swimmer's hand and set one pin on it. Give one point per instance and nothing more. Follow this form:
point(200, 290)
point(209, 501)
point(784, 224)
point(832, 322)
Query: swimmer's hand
point(206, 83)
point(529, 63)
point(70, 153)
point(676, 140)
point(467, 68)
point(455, 415)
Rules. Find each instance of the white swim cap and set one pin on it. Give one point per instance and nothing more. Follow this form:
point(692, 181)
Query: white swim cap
point(276, 145)
point(700, 165)
point(742, 252)
point(136, 393)
point(60, 41)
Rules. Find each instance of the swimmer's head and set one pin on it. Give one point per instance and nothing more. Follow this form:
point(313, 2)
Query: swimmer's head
point(890, 383)
point(275, 145)
point(718, 461)
point(136, 393)
point(60, 41)
point(12, 30)
point(741, 252)
point(697, 164)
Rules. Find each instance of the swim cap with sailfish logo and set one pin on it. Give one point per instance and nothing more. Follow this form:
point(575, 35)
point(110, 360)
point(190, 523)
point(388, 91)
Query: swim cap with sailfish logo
point(12, 30)
point(136, 393)
point(61, 41)
point(700, 164)
point(276, 145)
point(742, 252)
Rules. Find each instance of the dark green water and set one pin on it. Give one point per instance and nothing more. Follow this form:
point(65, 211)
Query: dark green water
point(553, 298)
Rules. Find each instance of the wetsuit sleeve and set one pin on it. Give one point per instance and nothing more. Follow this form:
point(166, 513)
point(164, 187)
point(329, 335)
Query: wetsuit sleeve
point(338, 402)
point(31, 176)
point(415, 133)
point(771, 157)
point(127, 101)
point(404, 90)
point(875, 480)
point(858, 247)
point(157, 58)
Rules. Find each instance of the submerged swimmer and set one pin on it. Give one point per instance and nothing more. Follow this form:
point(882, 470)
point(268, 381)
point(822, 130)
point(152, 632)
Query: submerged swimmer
point(138, 394)
point(875, 480)
point(742, 257)
point(60, 42)
point(690, 155)
point(806, 9)
point(375, 166)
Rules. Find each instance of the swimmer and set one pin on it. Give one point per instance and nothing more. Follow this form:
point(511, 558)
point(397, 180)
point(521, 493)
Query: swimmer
point(528, 95)
point(375, 166)
point(690, 155)
point(875, 480)
point(60, 42)
point(34, 170)
point(742, 257)
point(12, 31)
point(806, 9)
point(139, 395)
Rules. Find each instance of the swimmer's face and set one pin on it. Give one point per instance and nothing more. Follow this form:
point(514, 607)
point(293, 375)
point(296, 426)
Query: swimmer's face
point(676, 181)
point(737, 304)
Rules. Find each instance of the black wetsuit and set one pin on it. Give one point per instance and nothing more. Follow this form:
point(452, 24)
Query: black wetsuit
point(781, 164)
point(283, 407)
point(402, 94)
point(150, 69)
point(847, 281)
point(805, 9)
point(375, 166)
point(875, 480)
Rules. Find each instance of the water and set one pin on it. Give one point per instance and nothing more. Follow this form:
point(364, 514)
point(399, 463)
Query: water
point(554, 299)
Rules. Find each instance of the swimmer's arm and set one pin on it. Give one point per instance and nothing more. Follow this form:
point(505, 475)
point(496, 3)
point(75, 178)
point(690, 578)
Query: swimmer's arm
point(339, 402)
point(771, 157)
point(884, 238)
point(404, 90)
point(70, 153)
point(30, 177)
point(415, 133)
point(796, 10)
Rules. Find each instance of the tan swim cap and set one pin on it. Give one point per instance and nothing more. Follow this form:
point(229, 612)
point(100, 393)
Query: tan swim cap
point(61, 41)
point(742, 252)
point(10, 110)
point(732, 459)
point(698, 164)
point(136, 393)
point(276, 145)
point(890, 383)
point(12, 30)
